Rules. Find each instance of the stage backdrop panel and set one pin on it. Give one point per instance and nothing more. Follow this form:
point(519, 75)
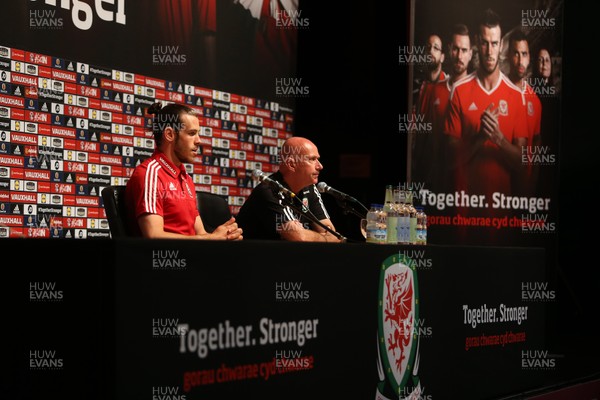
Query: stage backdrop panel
point(276, 320)
point(480, 196)
point(285, 320)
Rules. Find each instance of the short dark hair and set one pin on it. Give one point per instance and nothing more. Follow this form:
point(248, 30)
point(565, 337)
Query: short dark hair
point(489, 19)
point(167, 116)
point(517, 36)
point(460, 30)
point(430, 34)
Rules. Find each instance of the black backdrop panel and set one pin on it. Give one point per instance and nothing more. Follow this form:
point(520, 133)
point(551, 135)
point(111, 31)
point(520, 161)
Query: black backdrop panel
point(173, 296)
point(273, 320)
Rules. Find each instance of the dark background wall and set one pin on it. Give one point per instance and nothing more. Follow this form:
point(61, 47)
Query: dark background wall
point(349, 59)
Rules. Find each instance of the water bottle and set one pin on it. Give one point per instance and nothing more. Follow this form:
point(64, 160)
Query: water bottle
point(392, 216)
point(421, 226)
point(371, 224)
point(403, 219)
point(389, 196)
point(376, 224)
point(412, 215)
point(381, 234)
point(392, 226)
point(373, 216)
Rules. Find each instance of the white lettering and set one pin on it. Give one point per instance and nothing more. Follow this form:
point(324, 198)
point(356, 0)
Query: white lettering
point(82, 13)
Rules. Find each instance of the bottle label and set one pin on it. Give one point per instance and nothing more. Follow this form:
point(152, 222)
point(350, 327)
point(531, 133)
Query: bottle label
point(380, 235)
point(371, 237)
point(421, 236)
point(413, 230)
point(404, 229)
point(392, 229)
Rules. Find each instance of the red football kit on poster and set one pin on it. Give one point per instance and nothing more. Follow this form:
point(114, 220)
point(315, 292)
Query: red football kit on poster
point(487, 170)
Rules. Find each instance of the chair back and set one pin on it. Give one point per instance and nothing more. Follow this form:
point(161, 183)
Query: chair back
point(113, 198)
point(213, 210)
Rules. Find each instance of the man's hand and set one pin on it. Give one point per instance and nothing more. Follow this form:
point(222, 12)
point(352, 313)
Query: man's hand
point(490, 126)
point(228, 231)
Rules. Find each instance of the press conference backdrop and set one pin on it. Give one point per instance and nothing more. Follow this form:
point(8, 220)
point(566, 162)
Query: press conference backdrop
point(76, 80)
point(77, 77)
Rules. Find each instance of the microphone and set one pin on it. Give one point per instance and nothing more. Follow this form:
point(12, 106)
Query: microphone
point(325, 188)
point(258, 174)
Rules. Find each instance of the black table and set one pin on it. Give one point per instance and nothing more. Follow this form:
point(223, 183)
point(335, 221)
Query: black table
point(124, 319)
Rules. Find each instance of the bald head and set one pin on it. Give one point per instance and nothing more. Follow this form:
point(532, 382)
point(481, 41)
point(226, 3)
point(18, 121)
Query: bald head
point(299, 162)
point(295, 146)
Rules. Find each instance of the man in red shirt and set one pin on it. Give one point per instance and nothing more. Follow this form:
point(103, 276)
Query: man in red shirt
point(486, 120)
point(160, 195)
point(433, 72)
point(519, 59)
point(425, 143)
point(460, 54)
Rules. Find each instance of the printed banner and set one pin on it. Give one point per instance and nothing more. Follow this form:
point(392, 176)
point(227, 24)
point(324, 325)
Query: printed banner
point(164, 320)
point(393, 326)
point(484, 118)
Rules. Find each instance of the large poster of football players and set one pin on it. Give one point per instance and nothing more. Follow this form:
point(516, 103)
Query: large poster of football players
point(484, 118)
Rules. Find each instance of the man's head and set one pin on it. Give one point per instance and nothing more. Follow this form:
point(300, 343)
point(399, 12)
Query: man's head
point(299, 163)
point(435, 51)
point(518, 55)
point(175, 128)
point(489, 42)
point(544, 63)
point(460, 50)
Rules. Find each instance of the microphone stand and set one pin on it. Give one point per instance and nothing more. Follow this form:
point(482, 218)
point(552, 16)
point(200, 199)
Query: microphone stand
point(306, 212)
point(348, 209)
